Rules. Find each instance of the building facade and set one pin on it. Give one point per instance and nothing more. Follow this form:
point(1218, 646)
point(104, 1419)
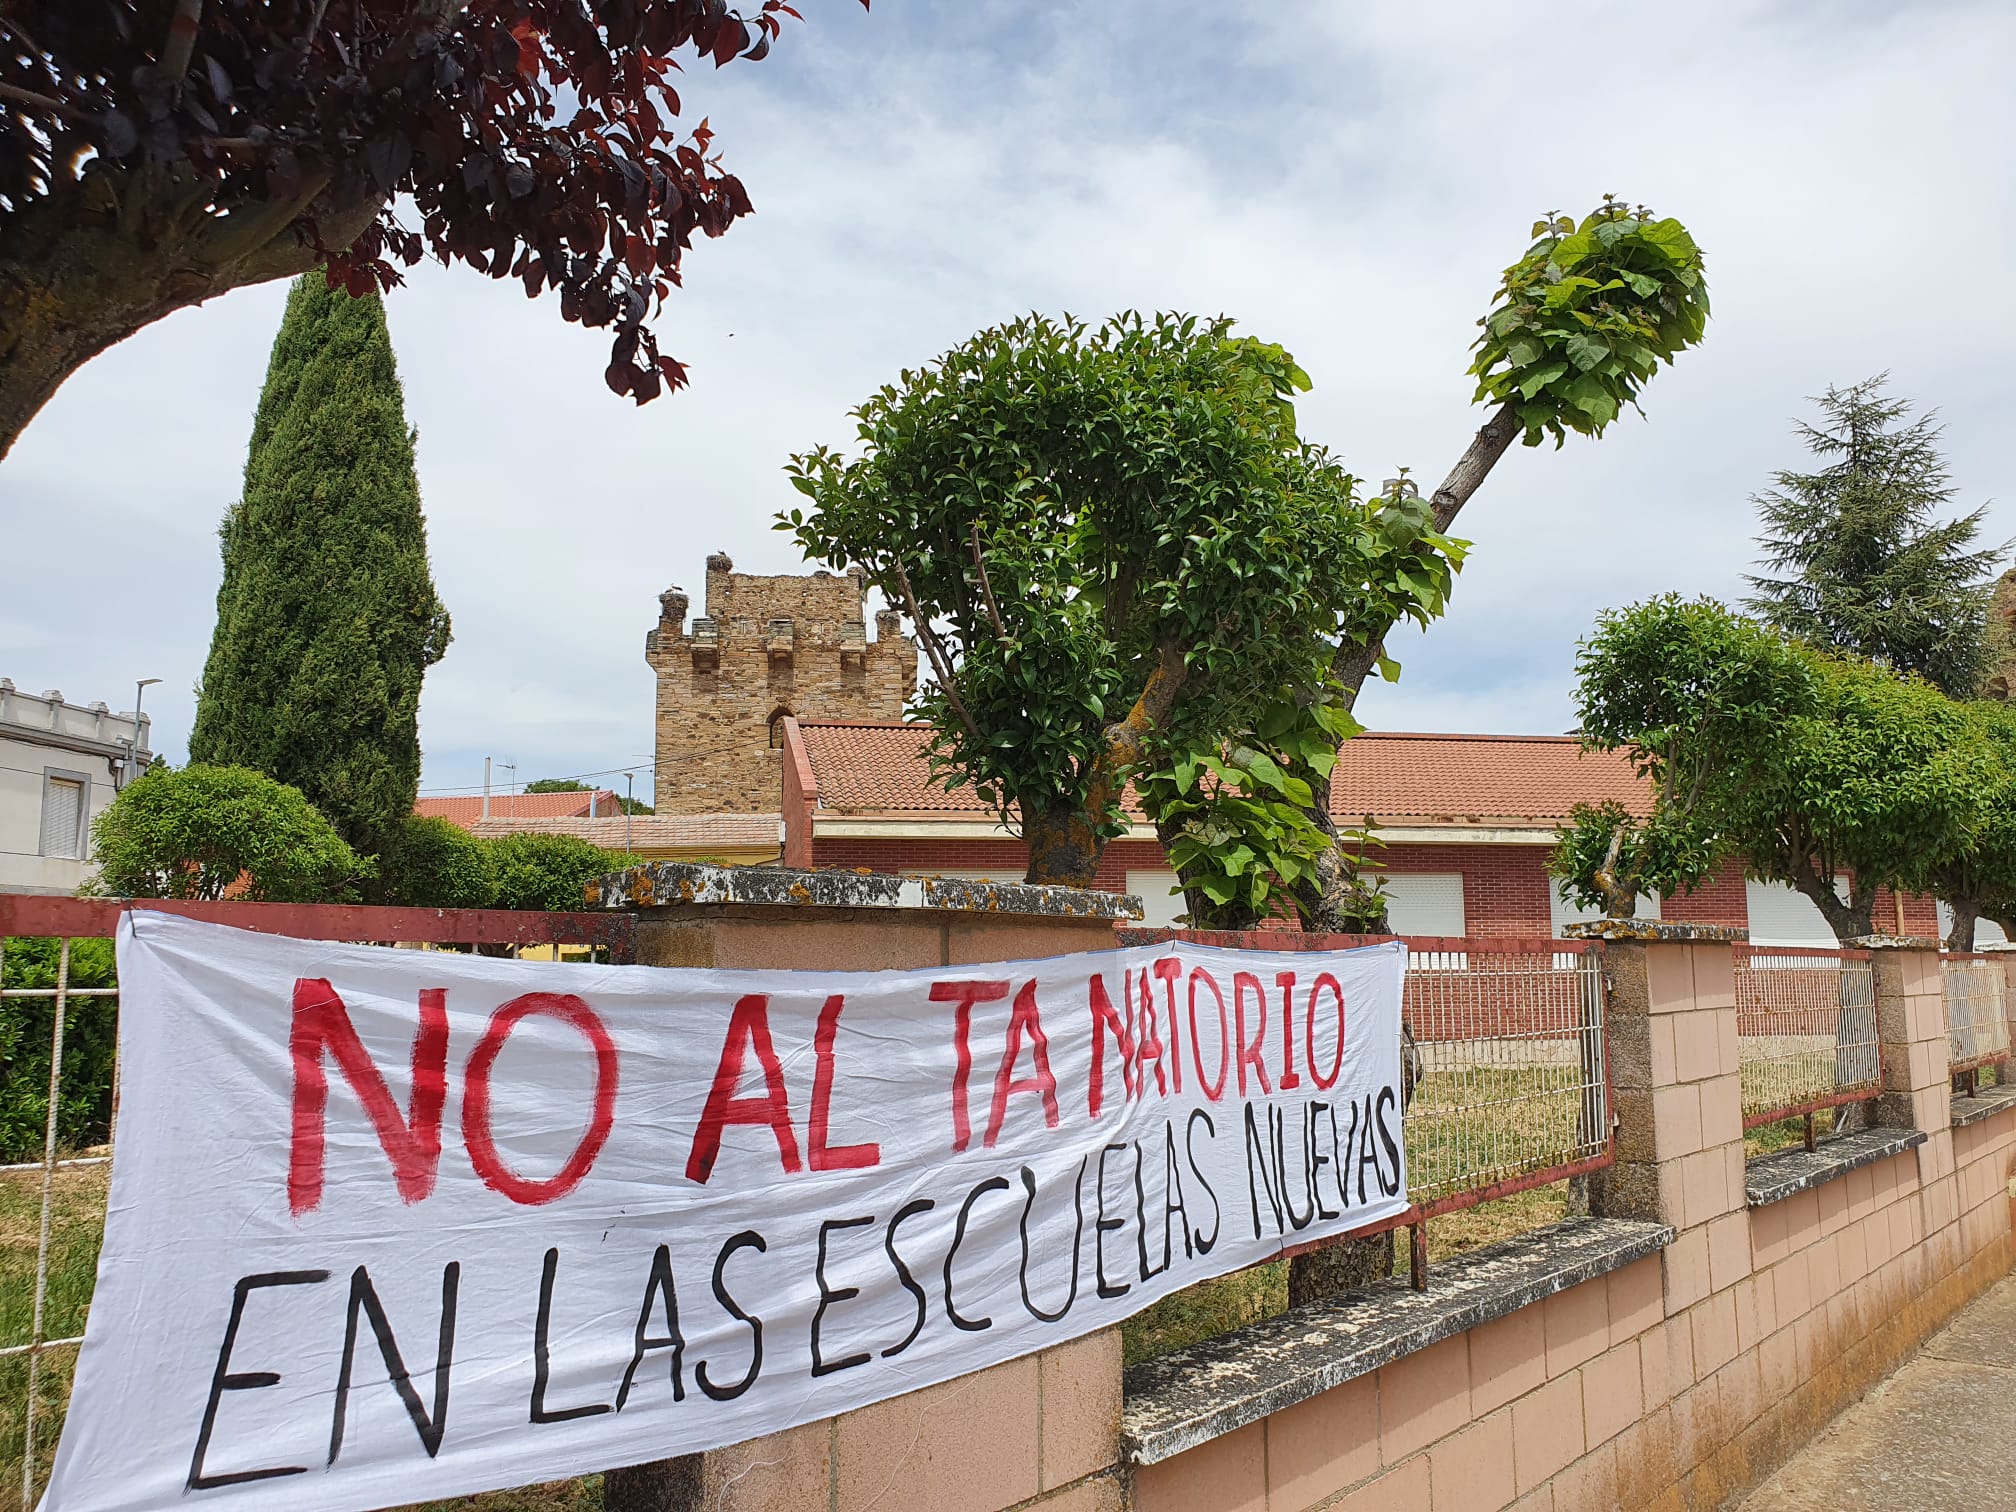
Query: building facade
point(60, 765)
point(767, 648)
point(1465, 825)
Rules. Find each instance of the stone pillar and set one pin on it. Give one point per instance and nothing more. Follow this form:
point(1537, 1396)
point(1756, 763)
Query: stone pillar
point(1911, 1026)
point(1677, 1096)
point(1020, 1429)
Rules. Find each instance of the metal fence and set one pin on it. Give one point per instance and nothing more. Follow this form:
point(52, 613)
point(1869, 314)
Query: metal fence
point(45, 1285)
point(1806, 1032)
point(1977, 1022)
point(1509, 1072)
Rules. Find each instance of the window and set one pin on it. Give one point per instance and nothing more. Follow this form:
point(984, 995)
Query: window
point(1561, 911)
point(1986, 931)
point(65, 801)
point(1780, 915)
point(1423, 903)
point(777, 729)
point(1159, 905)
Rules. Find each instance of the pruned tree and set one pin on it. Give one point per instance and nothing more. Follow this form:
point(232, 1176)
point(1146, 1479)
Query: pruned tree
point(327, 619)
point(1977, 878)
point(1861, 561)
point(1813, 768)
point(1112, 544)
point(209, 832)
point(157, 153)
point(1580, 324)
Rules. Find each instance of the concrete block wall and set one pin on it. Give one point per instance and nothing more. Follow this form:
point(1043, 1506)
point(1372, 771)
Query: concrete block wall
point(1679, 1381)
point(1673, 1382)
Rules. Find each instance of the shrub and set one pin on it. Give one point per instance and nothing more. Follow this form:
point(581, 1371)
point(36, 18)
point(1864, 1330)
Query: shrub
point(84, 1103)
point(204, 831)
point(431, 863)
point(548, 871)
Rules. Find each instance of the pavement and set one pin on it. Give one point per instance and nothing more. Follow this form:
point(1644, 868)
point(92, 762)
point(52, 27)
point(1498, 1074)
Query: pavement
point(1940, 1433)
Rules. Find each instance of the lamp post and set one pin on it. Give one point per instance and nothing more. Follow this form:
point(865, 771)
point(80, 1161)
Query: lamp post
point(139, 692)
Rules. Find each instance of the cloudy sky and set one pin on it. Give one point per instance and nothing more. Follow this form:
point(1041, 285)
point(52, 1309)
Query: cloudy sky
point(1346, 179)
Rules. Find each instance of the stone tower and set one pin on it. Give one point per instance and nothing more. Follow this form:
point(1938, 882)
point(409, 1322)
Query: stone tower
point(767, 647)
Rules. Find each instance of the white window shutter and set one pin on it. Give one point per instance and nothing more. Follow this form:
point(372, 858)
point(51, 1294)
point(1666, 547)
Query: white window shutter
point(62, 817)
point(1424, 903)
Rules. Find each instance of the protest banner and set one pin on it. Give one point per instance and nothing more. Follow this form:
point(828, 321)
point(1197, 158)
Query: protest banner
point(388, 1225)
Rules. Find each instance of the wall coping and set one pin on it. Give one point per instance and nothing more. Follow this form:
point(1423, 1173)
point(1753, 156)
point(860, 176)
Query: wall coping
point(1894, 942)
point(1193, 1395)
point(683, 884)
point(1786, 1173)
point(1656, 930)
point(1984, 1104)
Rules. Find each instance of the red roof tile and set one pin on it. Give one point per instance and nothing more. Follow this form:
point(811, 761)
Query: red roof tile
point(1448, 779)
point(467, 811)
point(647, 832)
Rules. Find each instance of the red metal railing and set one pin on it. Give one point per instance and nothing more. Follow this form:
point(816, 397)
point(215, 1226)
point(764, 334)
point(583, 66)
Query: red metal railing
point(1806, 1032)
point(1511, 1091)
point(610, 937)
point(1975, 990)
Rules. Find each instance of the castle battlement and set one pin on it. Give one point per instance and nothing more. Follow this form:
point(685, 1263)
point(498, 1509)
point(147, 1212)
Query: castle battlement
point(766, 647)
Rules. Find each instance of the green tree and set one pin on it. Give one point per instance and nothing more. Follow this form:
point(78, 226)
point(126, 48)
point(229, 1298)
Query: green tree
point(548, 871)
point(1808, 765)
point(1113, 545)
point(1860, 560)
point(203, 831)
point(622, 805)
point(1978, 878)
point(1579, 326)
point(327, 618)
point(432, 863)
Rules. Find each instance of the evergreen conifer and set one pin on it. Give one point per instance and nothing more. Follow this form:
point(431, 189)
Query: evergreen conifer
point(1866, 566)
point(327, 618)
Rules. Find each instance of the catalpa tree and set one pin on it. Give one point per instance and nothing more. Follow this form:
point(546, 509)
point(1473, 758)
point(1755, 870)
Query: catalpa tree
point(155, 153)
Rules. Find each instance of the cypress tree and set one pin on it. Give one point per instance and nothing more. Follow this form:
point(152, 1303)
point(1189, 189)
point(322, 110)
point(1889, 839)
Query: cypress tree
point(327, 618)
point(1867, 566)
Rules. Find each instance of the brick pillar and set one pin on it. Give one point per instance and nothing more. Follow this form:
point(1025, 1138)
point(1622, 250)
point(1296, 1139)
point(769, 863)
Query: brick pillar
point(1911, 1024)
point(1026, 1433)
point(1677, 1096)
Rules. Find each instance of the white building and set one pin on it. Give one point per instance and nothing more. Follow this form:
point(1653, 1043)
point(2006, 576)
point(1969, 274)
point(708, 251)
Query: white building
point(60, 764)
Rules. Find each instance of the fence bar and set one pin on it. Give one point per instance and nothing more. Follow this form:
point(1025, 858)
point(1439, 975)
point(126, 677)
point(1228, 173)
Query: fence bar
point(42, 1240)
point(1806, 1031)
point(1977, 1027)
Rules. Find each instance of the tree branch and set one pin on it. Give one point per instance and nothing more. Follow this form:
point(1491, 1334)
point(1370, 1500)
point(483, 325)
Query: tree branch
point(39, 101)
point(987, 588)
point(181, 46)
point(941, 664)
point(1471, 469)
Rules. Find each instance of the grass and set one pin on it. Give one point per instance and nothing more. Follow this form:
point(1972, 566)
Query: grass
point(77, 1218)
point(1460, 1121)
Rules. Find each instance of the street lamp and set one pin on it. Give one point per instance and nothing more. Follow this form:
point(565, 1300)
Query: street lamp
point(139, 692)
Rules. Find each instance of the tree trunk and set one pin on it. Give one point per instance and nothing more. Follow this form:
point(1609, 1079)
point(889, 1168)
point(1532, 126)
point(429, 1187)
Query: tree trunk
point(101, 258)
point(673, 1485)
point(1064, 846)
point(1326, 901)
point(1849, 920)
point(1966, 911)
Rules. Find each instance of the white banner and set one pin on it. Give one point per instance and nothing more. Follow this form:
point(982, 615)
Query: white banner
point(390, 1225)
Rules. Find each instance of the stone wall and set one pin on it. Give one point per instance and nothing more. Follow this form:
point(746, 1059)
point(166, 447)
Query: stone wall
point(766, 647)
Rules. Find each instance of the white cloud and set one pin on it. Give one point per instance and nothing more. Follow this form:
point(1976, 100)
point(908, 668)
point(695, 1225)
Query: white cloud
point(1346, 179)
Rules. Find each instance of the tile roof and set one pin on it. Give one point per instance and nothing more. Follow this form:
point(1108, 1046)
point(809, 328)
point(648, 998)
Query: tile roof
point(1455, 779)
point(1445, 779)
point(647, 832)
point(467, 811)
